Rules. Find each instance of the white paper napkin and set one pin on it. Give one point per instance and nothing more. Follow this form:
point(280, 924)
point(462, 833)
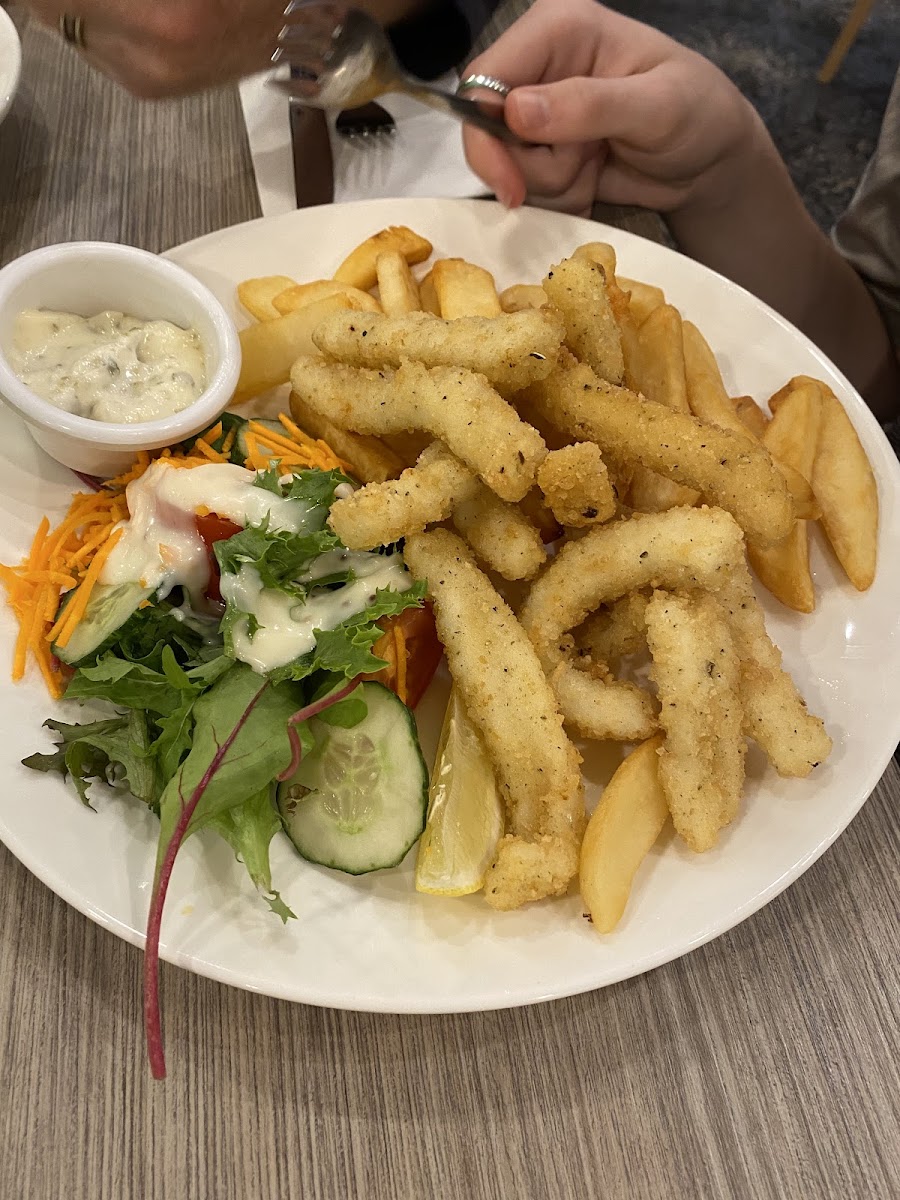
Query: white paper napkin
point(423, 158)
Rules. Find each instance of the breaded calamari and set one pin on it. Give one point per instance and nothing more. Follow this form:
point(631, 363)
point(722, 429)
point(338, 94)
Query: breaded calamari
point(730, 469)
point(680, 548)
point(510, 351)
point(456, 406)
point(508, 698)
point(775, 714)
point(424, 494)
point(697, 674)
point(577, 287)
point(576, 486)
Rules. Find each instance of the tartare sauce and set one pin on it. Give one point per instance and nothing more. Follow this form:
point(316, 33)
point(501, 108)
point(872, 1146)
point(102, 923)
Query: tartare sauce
point(110, 367)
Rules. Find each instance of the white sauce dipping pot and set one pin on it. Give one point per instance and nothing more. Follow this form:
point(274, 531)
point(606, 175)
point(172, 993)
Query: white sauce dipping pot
point(87, 278)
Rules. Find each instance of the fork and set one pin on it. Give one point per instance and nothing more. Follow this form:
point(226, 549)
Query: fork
point(341, 58)
point(368, 123)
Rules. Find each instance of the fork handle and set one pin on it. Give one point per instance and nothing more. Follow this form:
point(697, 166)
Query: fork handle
point(471, 111)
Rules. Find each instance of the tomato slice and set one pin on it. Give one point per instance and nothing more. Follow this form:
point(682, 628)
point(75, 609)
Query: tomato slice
point(213, 528)
point(424, 652)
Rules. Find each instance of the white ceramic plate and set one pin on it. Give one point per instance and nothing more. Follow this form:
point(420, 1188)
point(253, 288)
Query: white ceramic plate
point(10, 62)
point(372, 943)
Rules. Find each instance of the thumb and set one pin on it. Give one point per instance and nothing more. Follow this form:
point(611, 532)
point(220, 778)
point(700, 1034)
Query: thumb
point(585, 110)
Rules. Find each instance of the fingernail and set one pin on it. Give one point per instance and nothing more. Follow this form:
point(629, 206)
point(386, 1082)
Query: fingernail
point(505, 197)
point(531, 107)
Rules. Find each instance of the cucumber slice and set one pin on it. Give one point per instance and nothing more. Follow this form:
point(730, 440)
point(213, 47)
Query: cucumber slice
point(111, 605)
point(357, 802)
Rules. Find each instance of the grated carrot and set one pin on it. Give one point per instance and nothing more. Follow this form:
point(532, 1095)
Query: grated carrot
point(207, 450)
point(68, 559)
point(400, 646)
point(75, 610)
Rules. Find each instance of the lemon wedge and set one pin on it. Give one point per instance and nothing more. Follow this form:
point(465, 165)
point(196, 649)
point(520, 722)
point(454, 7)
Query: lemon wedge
point(465, 812)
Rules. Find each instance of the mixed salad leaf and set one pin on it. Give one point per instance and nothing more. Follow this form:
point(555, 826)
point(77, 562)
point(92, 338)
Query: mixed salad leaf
point(201, 737)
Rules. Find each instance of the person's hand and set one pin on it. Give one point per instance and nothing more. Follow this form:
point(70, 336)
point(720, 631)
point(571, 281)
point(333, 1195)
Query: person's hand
point(162, 48)
point(620, 113)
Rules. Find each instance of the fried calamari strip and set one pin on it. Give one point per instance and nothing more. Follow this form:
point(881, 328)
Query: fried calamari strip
point(424, 494)
point(680, 548)
point(730, 469)
point(456, 406)
point(511, 350)
point(508, 698)
point(775, 714)
point(577, 287)
point(697, 674)
point(576, 485)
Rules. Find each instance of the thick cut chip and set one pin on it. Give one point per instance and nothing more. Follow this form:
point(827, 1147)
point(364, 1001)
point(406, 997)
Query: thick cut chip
point(464, 290)
point(643, 298)
point(511, 351)
point(577, 287)
point(360, 269)
point(681, 548)
point(576, 486)
point(697, 674)
point(731, 470)
point(523, 296)
point(775, 714)
point(270, 348)
point(369, 458)
point(257, 295)
point(844, 485)
point(629, 818)
point(751, 414)
point(381, 513)
point(428, 296)
point(706, 392)
point(298, 295)
point(397, 290)
point(792, 437)
point(456, 406)
point(508, 698)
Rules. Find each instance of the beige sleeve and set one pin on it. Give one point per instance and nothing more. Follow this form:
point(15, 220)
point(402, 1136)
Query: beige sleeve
point(868, 234)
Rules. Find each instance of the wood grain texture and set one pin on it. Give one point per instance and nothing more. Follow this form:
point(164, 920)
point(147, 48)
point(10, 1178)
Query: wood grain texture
point(764, 1065)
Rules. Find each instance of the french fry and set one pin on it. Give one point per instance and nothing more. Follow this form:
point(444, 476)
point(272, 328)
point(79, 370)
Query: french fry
point(522, 295)
point(751, 414)
point(270, 348)
point(644, 298)
point(398, 291)
point(706, 393)
point(257, 295)
point(600, 253)
point(298, 295)
point(428, 296)
point(464, 290)
point(791, 436)
point(371, 459)
point(359, 267)
point(844, 485)
point(624, 826)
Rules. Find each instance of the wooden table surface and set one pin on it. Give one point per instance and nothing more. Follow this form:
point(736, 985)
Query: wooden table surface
point(763, 1065)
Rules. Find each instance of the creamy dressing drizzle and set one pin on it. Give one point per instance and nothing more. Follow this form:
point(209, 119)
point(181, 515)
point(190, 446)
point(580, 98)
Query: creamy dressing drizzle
point(161, 548)
point(110, 367)
point(287, 627)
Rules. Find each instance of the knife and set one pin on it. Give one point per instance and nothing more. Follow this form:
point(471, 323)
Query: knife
point(313, 164)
